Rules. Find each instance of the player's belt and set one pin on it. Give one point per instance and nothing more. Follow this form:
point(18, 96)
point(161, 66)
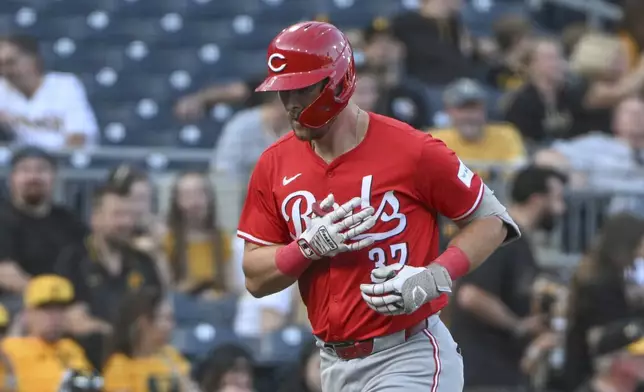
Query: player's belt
point(363, 348)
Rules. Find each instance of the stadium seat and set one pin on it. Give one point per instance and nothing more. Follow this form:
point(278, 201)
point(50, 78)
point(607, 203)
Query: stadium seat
point(480, 15)
point(197, 340)
point(189, 310)
point(359, 13)
point(209, 9)
point(282, 345)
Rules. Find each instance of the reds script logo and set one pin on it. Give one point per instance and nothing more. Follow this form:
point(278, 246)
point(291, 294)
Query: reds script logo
point(301, 208)
point(271, 60)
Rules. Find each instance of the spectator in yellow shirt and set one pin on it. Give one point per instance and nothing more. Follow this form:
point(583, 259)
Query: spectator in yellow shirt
point(141, 358)
point(197, 249)
point(40, 360)
point(472, 137)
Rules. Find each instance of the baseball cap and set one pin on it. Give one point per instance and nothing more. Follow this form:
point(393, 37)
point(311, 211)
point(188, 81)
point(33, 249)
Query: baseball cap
point(31, 152)
point(464, 91)
point(48, 290)
point(620, 336)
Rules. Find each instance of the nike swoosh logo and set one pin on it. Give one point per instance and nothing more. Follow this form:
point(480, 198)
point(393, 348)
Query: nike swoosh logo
point(288, 180)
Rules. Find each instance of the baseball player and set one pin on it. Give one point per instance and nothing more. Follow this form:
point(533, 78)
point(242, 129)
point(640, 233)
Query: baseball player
point(346, 205)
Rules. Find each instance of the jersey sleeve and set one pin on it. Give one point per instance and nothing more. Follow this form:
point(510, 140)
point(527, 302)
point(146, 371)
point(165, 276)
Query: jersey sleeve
point(260, 222)
point(444, 183)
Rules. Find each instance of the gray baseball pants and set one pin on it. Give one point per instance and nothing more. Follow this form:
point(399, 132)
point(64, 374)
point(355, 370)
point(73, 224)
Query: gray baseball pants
point(428, 361)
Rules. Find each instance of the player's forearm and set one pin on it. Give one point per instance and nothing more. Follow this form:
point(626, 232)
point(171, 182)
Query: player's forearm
point(479, 239)
point(263, 277)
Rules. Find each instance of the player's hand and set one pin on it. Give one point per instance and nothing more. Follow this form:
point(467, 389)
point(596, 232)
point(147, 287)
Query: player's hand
point(332, 228)
point(402, 289)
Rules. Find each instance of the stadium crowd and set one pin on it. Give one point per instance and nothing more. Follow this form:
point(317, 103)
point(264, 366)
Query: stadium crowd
point(130, 297)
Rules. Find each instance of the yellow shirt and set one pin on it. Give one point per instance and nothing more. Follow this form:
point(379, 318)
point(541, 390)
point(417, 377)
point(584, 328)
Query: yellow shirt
point(501, 143)
point(39, 366)
point(632, 50)
point(125, 374)
point(201, 266)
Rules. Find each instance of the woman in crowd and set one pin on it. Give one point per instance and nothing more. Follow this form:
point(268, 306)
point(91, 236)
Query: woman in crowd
point(149, 229)
point(307, 379)
point(229, 368)
point(604, 79)
point(604, 290)
point(197, 249)
point(141, 359)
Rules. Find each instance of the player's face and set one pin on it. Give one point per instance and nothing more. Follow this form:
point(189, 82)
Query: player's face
point(469, 119)
point(295, 101)
point(32, 181)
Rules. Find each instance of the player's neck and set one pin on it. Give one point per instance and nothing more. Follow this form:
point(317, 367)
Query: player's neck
point(347, 131)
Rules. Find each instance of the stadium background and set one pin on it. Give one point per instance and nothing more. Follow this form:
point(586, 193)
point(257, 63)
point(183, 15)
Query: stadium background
point(136, 58)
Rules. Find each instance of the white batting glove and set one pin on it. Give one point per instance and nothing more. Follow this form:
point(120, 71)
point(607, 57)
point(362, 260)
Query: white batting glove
point(402, 289)
point(331, 228)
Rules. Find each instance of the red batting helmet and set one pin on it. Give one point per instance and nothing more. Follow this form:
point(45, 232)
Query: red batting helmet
point(308, 53)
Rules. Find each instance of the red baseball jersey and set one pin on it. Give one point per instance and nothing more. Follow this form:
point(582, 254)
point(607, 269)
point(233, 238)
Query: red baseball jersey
point(407, 176)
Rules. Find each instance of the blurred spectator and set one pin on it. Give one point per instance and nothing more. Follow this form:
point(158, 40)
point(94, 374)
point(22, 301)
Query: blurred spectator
point(512, 34)
point(33, 230)
point(149, 229)
point(258, 316)
point(492, 318)
point(103, 269)
point(604, 79)
point(141, 359)
point(571, 35)
point(438, 47)
point(46, 109)
point(632, 31)
point(197, 248)
point(228, 368)
point(384, 54)
point(194, 106)
point(541, 108)
point(367, 94)
point(307, 379)
point(40, 358)
point(604, 163)
point(246, 135)
point(618, 354)
point(600, 291)
point(472, 137)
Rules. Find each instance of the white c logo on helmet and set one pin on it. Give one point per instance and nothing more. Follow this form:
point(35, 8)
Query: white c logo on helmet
point(273, 57)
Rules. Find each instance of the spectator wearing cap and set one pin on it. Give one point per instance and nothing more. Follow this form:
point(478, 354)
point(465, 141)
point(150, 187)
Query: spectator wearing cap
point(618, 354)
point(471, 136)
point(492, 318)
point(33, 229)
point(45, 109)
point(40, 359)
point(104, 268)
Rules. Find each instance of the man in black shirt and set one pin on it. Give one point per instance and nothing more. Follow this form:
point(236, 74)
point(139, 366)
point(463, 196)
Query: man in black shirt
point(103, 269)
point(618, 352)
point(491, 318)
point(33, 230)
